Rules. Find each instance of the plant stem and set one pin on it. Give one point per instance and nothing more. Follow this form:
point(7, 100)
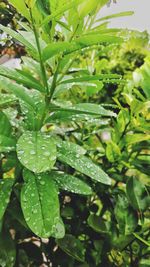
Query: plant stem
point(43, 71)
point(53, 86)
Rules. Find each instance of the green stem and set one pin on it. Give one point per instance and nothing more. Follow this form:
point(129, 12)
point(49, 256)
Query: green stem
point(43, 71)
point(54, 82)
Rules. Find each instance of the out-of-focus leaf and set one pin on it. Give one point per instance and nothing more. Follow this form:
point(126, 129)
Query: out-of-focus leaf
point(97, 223)
point(21, 7)
point(5, 192)
point(73, 247)
point(137, 194)
point(117, 15)
point(125, 215)
point(7, 250)
point(19, 38)
point(113, 152)
point(123, 119)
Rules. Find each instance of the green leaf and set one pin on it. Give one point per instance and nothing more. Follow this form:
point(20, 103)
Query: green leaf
point(87, 7)
point(5, 192)
point(7, 250)
point(136, 138)
point(113, 152)
point(54, 49)
point(125, 215)
point(30, 3)
point(36, 151)
point(19, 38)
point(40, 204)
point(123, 119)
point(21, 7)
point(5, 126)
point(20, 78)
point(90, 40)
point(7, 144)
point(137, 194)
point(60, 10)
point(18, 90)
point(33, 117)
point(97, 223)
point(99, 77)
point(59, 229)
point(82, 111)
point(7, 100)
point(73, 247)
point(141, 239)
point(117, 15)
point(70, 154)
point(79, 44)
point(71, 183)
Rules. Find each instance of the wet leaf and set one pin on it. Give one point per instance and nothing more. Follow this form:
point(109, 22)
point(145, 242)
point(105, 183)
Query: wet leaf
point(5, 192)
point(81, 163)
point(40, 204)
point(71, 183)
point(36, 151)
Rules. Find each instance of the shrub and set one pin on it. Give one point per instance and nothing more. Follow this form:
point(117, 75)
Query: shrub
point(74, 174)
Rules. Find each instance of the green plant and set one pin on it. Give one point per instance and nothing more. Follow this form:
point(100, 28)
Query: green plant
point(46, 136)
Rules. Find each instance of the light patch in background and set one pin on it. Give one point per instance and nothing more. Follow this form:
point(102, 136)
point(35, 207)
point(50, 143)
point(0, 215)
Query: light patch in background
point(140, 20)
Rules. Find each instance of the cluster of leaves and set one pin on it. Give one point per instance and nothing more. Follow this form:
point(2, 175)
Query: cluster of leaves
point(74, 141)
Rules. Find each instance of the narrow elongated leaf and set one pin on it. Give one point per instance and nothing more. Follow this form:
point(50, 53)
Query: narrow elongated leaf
point(40, 204)
point(89, 40)
point(7, 250)
point(81, 163)
point(5, 192)
point(20, 78)
point(87, 7)
point(71, 183)
point(60, 11)
point(135, 138)
point(82, 111)
point(21, 7)
point(54, 49)
point(18, 90)
point(79, 44)
point(36, 151)
point(137, 194)
point(19, 38)
point(117, 15)
point(5, 126)
point(101, 77)
point(73, 247)
point(30, 3)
